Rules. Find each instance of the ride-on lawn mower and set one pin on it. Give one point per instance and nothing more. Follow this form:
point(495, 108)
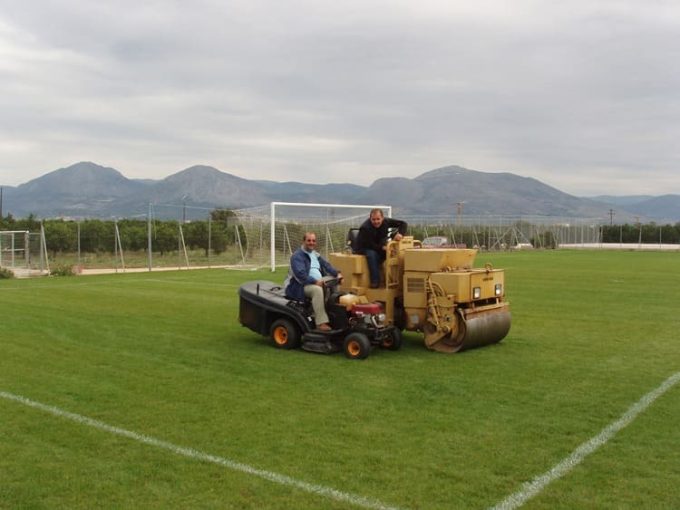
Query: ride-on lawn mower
point(356, 325)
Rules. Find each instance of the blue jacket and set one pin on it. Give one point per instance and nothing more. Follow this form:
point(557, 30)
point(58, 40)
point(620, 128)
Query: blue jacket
point(298, 275)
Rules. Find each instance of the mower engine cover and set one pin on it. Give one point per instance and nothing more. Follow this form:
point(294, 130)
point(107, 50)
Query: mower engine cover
point(366, 309)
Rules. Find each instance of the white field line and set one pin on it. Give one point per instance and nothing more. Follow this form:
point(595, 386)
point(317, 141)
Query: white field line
point(319, 490)
point(533, 488)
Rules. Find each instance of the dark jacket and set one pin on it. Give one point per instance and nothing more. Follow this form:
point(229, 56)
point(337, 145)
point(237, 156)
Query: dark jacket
point(371, 238)
point(298, 274)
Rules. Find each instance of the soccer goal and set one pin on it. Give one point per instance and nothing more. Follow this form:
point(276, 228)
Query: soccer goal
point(268, 235)
point(22, 251)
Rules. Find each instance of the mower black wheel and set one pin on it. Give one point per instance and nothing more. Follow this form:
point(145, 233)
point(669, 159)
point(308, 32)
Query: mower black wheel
point(357, 346)
point(392, 341)
point(284, 334)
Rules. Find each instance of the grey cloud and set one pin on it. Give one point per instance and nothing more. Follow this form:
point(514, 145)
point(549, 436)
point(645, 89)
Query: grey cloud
point(570, 94)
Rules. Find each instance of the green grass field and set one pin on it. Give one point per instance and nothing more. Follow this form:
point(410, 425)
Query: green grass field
point(162, 356)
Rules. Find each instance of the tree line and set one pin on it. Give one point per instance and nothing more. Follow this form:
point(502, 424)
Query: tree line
point(99, 236)
point(221, 230)
point(649, 233)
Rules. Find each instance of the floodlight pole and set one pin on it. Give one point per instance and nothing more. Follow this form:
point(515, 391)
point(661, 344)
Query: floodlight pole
point(78, 230)
point(148, 238)
point(209, 237)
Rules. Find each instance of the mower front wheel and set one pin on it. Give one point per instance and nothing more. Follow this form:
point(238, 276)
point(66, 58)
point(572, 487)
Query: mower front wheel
point(357, 346)
point(284, 334)
point(392, 341)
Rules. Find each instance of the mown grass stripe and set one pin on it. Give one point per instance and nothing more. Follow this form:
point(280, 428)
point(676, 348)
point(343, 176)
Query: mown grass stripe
point(533, 488)
point(320, 490)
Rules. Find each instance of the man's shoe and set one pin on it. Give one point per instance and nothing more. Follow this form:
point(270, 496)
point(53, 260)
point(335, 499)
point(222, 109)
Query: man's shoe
point(323, 327)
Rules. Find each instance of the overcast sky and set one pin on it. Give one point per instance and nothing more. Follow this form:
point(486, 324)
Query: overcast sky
point(581, 95)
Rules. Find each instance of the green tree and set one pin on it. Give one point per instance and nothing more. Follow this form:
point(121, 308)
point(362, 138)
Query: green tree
point(8, 222)
point(97, 236)
point(165, 236)
point(133, 234)
point(196, 235)
point(60, 236)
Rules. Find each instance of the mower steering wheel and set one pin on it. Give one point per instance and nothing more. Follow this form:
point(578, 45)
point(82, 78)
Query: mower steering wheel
point(331, 281)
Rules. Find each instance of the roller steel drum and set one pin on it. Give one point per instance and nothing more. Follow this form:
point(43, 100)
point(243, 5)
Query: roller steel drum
point(476, 328)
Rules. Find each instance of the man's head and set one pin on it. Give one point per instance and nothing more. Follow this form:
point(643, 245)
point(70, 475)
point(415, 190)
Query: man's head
point(377, 218)
point(309, 241)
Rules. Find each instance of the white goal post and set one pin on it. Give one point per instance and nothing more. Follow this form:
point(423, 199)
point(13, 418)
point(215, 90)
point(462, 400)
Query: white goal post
point(320, 207)
point(267, 235)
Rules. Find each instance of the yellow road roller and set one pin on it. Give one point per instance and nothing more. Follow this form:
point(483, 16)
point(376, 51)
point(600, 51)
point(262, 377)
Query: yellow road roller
point(436, 291)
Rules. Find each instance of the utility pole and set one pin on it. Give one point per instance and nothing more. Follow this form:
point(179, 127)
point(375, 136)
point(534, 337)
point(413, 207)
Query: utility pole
point(1, 216)
point(459, 212)
point(611, 217)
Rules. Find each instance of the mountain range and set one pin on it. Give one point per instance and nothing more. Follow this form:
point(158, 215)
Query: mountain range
point(88, 190)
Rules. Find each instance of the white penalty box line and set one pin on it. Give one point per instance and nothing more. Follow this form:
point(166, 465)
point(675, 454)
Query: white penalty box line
point(536, 486)
point(526, 492)
point(271, 476)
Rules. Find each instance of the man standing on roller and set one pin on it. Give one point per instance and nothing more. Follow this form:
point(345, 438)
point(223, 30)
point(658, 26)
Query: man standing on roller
point(372, 241)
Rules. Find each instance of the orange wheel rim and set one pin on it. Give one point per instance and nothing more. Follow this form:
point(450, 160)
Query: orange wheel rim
point(280, 335)
point(353, 348)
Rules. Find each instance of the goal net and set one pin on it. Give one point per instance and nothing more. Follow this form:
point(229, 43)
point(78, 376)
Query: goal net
point(268, 235)
point(23, 250)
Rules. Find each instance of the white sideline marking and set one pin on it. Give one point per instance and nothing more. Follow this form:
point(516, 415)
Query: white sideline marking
point(531, 489)
point(320, 490)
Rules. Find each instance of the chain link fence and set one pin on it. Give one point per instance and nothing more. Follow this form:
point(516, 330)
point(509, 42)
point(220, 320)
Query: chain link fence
point(202, 237)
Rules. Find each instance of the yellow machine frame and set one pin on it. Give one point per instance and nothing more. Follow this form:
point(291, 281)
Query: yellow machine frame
point(436, 291)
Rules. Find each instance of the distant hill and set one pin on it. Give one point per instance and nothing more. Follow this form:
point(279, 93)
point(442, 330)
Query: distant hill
point(83, 189)
point(666, 206)
point(662, 209)
point(89, 190)
point(82, 180)
point(624, 201)
point(206, 186)
point(312, 193)
point(480, 193)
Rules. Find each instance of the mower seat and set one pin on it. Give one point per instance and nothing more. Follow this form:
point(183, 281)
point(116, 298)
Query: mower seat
point(353, 240)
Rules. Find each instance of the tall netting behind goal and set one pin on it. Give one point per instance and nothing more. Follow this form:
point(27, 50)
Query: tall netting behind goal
point(262, 245)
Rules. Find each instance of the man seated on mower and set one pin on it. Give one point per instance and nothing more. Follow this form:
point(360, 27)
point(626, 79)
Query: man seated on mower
point(372, 241)
point(306, 278)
